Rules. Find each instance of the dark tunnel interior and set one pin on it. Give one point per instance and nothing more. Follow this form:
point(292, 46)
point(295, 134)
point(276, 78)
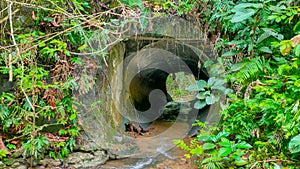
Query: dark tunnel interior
point(147, 80)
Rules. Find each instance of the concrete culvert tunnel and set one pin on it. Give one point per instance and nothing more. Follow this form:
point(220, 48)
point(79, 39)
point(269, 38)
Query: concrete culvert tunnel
point(145, 73)
point(133, 88)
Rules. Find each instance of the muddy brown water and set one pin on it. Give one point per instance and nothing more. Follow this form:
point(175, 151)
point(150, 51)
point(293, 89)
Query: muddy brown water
point(156, 149)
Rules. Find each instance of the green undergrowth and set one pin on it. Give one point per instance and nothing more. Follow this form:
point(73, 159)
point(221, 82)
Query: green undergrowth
point(260, 126)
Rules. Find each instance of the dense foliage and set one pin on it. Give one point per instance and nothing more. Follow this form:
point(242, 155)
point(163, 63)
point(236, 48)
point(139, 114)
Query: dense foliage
point(40, 51)
point(260, 126)
point(259, 45)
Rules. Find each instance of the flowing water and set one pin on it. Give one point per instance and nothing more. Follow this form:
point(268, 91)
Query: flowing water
point(157, 153)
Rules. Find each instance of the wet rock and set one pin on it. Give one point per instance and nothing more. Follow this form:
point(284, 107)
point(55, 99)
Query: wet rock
point(17, 154)
point(81, 159)
point(21, 166)
point(18, 164)
point(85, 144)
point(50, 161)
point(119, 151)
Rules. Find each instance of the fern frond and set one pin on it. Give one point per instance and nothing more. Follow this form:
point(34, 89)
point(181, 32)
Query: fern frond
point(210, 166)
point(247, 70)
point(213, 162)
point(212, 159)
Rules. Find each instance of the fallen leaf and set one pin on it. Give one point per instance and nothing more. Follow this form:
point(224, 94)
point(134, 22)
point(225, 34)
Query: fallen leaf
point(33, 15)
point(295, 40)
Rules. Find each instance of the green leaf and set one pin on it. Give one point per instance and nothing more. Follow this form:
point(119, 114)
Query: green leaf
point(201, 84)
point(242, 6)
point(211, 81)
point(67, 53)
point(218, 87)
point(54, 41)
point(41, 33)
point(211, 99)
point(272, 17)
point(242, 145)
point(225, 142)
point(283, 17)
point(208, 146)
point(208, 63)
point(231, 53)
point(294, 144)
point(200, 104)
point(224, 151)
point(42, 44)
point(222, 134)
point(48, 19)
point(72, 117)
point(297, 83)
point(240, 162)
point(242, 15)
point(266, 49)
point(297, 50)
point(52, 154)
point(296, 28)
point(203, 95)
point(219, 82)
point(3, 153)
point(204, 138)
point(196, 151)
point(278, 19)
point(82, 47)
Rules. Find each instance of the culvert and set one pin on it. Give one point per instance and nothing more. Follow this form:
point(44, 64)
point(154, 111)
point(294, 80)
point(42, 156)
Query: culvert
point(131, 86)
point(145, 75)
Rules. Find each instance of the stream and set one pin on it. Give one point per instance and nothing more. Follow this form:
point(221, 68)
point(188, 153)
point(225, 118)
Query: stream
point(165, 155)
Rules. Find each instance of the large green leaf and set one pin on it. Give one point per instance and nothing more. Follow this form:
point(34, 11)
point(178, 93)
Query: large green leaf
point(200, 104)
point(221, 134)
point(294, 145)
point(224, 151)
point(199, 86)
point(242, 15)
point(225, 142)
point(219, 82)
point(242, 6)
point(208, 146)
point(204, 138)
point(203, 95)
point(267, 33)
point(265, 49)
point(211, 81)
point(242, 145)
point(212, 99)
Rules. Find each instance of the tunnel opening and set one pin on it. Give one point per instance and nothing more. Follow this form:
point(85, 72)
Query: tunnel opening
point(146, 81)
point(143, 83)
point(176, 85)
